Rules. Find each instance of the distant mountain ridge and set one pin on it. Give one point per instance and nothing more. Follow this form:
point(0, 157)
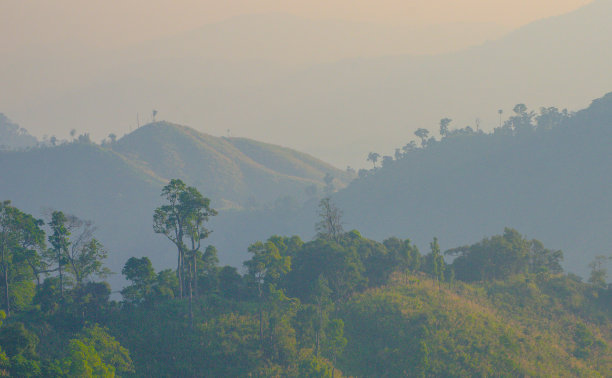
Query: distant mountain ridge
point(233, 170)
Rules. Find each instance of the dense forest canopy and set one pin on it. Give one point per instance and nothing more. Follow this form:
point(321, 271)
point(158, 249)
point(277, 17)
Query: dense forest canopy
point(338, 304)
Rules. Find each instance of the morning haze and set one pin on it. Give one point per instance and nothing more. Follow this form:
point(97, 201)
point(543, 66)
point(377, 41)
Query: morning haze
point(217, 67)
point(176, 198)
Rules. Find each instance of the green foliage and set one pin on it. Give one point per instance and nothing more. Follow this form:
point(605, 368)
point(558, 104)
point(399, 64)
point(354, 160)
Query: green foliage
point(412, 331)
point(86, 261)
point(59, 243)
point(109, 349)
point(15, 340)
point(312, 367)
point(584, 341)
point(84, 361)
point(23, 367)
point(501, 256)
point(339, 265)
point(20, 237)
point(335, 342)
point(267, 266)
point(142, 275)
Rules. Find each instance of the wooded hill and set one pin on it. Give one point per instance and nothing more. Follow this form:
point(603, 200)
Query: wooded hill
point(545, 173)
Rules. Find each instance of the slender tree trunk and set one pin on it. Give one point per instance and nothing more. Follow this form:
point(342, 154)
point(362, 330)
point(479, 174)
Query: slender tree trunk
point(179, 272)
point(195, 275)
point(319, 327)
point(190, 299)
point(260, 316)
point(5, 271)
point(6, 287)
point(260, 325)
point(179, 269)
point(61, 276)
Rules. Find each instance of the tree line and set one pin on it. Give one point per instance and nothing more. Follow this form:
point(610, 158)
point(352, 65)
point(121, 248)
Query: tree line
point(521, 122)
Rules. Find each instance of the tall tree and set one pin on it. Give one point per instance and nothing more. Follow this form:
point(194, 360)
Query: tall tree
point(21, 237)
point(200, 212)
point(182, 221)
point(31, 241)
point(330, 221)
point(59, 243)
point(8, 239)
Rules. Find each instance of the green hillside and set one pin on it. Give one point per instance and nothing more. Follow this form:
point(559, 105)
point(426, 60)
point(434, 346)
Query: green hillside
point(522, 327)
point(236, 171)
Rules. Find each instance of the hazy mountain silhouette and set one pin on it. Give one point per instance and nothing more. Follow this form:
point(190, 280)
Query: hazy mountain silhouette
point(340, 111)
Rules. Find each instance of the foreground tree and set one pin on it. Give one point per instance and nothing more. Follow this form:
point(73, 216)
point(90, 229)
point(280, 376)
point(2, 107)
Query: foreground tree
point(20, 239)
point(182, 221)
point(59, 243)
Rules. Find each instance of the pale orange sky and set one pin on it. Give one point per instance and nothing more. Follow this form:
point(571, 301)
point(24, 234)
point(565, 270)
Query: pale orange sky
point(119, 23)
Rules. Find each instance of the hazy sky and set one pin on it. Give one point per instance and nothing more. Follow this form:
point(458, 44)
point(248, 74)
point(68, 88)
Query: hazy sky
point(98, 66)
point(112, 23)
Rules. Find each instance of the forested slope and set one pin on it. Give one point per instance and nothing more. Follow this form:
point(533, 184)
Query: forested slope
point(337, 305)
point(543, 174)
